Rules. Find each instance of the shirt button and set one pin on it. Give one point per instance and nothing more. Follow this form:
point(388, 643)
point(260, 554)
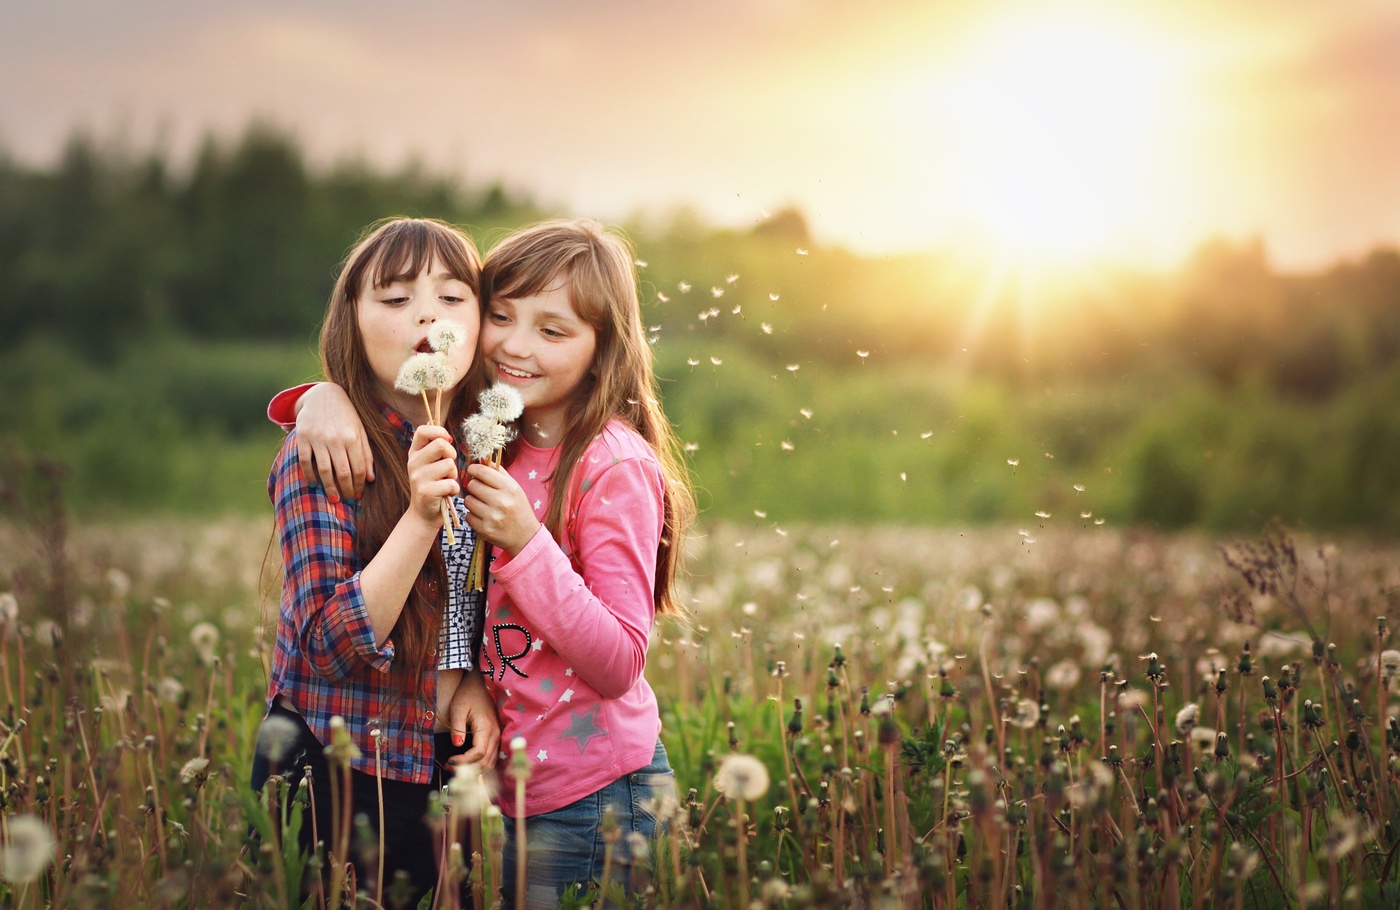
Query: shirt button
point(430, 715)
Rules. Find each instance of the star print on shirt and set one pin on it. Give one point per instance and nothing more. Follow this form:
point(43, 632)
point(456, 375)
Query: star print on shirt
point(567, 696)
point(583, 728)
point(541, 755)
point(547, 684)
point(538, 504)
point(532, 474)
point(537, 644)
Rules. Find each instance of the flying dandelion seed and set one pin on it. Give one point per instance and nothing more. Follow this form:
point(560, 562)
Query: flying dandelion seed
point(801, 251)
point(903, 476)
point(794, 367)
point(1079, 488)
point(781, 532)
point(1048, 455)
point(786, 446)
point(1098, 521)
point(716, 361)
point(1014, 462)
point(805, 412)
point(862, 355)
point(1042, 514)
point(662, 297)
point(640, 263)
point(773, 297)
point(767, 328)
point(760, 513)
point(1086, 515)
point(926, 435)
point(716, 292)
point(737, 308)
point(730, 279)
point(692, 361)
point(683, 287)
point(691, 447)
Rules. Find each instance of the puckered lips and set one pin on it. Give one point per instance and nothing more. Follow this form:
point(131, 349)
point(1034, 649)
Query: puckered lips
point(424, 347)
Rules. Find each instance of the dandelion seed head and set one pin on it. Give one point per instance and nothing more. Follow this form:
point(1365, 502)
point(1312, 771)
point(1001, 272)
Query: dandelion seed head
point(277, 737)
point(1186, 718)
point(28, 850)
point(195, 771)
point(1063, 676)
point(170, 689)
point(205, 638)
point(501, 402)
point(445, 335)
point(9, 608)
point(742, 777)
point(47, 633)
point(416, 374)
point(1390, 664)
point(1027, 714)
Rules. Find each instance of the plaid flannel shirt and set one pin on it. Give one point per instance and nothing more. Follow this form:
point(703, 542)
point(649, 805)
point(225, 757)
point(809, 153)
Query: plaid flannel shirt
point(325, 660)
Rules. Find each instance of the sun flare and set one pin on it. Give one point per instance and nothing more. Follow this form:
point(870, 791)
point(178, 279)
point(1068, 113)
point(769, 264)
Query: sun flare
point(1058, 133)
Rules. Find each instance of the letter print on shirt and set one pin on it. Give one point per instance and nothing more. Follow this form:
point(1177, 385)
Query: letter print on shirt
point(495, 657)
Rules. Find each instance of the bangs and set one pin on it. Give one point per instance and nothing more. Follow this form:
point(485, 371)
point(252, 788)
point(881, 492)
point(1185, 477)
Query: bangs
point(405, 248)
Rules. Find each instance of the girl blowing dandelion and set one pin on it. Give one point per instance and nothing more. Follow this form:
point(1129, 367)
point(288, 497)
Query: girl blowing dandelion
point(376, 633)
point(587, 519)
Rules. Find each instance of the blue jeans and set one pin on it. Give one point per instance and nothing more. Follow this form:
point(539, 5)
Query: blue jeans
point(567, 846)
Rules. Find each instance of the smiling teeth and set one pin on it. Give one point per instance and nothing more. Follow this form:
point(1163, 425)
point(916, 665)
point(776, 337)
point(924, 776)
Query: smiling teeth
point(517, 373)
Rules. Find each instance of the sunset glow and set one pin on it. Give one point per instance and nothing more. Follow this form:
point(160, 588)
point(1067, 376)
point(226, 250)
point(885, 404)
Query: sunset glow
point(1057, 133)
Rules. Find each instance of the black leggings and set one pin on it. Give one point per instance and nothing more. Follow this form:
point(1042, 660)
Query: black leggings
point(408, 842)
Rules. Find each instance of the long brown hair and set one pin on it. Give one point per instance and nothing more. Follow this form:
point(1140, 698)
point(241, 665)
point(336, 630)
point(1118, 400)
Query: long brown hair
point(392, 250)
point(597, 268)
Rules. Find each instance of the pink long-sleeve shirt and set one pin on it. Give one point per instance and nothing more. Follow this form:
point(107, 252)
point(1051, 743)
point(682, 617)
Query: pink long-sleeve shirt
point(567, 626)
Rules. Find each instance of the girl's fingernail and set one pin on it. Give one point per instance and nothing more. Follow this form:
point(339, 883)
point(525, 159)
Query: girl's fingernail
point(458, 739)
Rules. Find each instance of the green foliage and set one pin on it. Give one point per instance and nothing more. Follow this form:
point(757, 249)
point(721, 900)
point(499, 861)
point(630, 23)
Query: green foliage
point(147, 313)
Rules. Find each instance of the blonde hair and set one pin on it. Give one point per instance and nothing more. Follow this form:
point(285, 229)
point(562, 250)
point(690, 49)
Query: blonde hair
point(596, 267)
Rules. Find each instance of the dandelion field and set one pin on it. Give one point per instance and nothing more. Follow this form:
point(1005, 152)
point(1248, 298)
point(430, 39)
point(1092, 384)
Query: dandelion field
point(944, 718)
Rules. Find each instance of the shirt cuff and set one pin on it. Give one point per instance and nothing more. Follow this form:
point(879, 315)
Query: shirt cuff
point(282, 409)
point(505, 566)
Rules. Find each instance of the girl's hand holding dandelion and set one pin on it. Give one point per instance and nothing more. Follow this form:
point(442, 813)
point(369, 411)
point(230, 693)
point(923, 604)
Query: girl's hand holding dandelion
point(432, 472)
point(426, 372)
point(497, 508)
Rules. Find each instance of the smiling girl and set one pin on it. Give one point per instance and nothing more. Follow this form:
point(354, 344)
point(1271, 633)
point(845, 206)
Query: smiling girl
point(587, 519)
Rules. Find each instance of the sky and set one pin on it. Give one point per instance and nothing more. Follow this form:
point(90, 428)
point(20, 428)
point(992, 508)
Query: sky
point(1132, 130)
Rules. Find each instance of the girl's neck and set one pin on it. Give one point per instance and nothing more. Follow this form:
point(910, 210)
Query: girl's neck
point(543, 431)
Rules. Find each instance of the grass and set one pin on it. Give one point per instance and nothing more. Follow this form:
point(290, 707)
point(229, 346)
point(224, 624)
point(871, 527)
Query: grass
point(946, 719)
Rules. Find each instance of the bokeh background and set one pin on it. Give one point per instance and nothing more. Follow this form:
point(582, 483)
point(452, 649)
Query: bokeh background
point(943, 263)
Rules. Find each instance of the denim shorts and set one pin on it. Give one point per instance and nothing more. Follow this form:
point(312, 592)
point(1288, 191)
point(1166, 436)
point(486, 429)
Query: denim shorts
point(568, 846)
